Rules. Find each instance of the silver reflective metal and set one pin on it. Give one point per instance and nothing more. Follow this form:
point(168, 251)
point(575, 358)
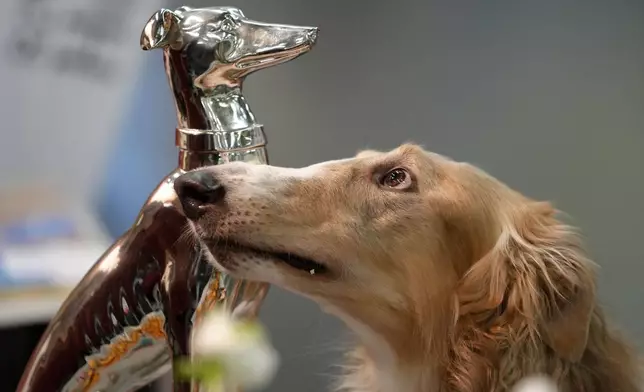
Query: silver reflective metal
point(134, 311)
point(208, 54)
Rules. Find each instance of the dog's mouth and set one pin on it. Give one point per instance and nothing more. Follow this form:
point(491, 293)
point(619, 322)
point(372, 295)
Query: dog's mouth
point(292, 260)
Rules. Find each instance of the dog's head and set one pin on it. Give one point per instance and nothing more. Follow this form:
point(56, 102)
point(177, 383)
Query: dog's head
point(221, 42)
point(408, 243)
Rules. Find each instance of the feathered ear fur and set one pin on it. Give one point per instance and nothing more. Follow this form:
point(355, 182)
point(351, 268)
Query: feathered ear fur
point(535, 290)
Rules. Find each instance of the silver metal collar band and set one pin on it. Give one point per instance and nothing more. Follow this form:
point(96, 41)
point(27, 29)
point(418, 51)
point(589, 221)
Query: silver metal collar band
point(199, 140)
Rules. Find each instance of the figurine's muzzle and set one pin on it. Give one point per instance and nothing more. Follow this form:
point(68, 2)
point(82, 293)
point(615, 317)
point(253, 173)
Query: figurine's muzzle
point(267, 44)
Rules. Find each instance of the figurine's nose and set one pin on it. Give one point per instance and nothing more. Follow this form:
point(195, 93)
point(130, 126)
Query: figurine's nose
point(197, 189)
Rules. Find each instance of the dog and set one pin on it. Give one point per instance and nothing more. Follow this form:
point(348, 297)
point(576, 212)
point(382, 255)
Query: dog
point(451, 280)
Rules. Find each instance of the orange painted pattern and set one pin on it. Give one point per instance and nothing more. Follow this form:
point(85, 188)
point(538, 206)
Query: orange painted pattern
point(213, 294)
point(151, 326)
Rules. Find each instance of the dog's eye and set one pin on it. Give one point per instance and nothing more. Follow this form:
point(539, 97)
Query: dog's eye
point(397, 179)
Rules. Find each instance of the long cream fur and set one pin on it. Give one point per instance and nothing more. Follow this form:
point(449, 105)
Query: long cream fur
point(456, 284)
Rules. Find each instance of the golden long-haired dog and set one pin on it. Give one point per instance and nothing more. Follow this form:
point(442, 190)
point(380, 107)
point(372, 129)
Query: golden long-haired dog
point(451, 280)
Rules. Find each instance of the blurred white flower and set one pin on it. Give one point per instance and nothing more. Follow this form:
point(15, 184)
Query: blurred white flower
point(535, 384)
point(241, 351)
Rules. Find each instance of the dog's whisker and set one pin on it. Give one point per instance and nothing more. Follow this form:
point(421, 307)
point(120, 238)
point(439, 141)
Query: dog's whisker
point(187, 235)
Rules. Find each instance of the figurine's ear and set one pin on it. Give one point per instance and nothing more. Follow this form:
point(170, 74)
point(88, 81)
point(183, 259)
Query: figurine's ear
point(159, 29)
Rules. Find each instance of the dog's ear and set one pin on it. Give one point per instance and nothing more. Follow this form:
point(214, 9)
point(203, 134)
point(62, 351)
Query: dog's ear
point(159, 30)
point(538, 278)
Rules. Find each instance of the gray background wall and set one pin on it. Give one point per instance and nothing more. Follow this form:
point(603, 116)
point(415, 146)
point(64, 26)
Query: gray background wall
point(546, 95)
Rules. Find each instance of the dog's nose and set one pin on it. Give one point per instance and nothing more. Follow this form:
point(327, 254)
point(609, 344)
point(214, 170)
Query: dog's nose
point(197, 189)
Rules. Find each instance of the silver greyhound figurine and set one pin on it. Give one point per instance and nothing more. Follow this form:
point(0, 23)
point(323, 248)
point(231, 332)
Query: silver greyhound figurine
point(133, 312)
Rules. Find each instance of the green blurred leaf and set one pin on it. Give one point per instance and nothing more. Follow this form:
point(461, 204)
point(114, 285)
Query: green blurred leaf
point(200, 370)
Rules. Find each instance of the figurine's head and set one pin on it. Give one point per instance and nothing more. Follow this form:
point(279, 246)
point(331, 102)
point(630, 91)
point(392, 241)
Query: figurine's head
point(219, 45)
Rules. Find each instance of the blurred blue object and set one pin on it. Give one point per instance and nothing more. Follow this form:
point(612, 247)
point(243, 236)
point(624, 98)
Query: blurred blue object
point(144, 150)
point(30, 231)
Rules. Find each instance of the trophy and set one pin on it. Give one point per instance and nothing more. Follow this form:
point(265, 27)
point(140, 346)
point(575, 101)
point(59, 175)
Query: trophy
point(134, 310)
